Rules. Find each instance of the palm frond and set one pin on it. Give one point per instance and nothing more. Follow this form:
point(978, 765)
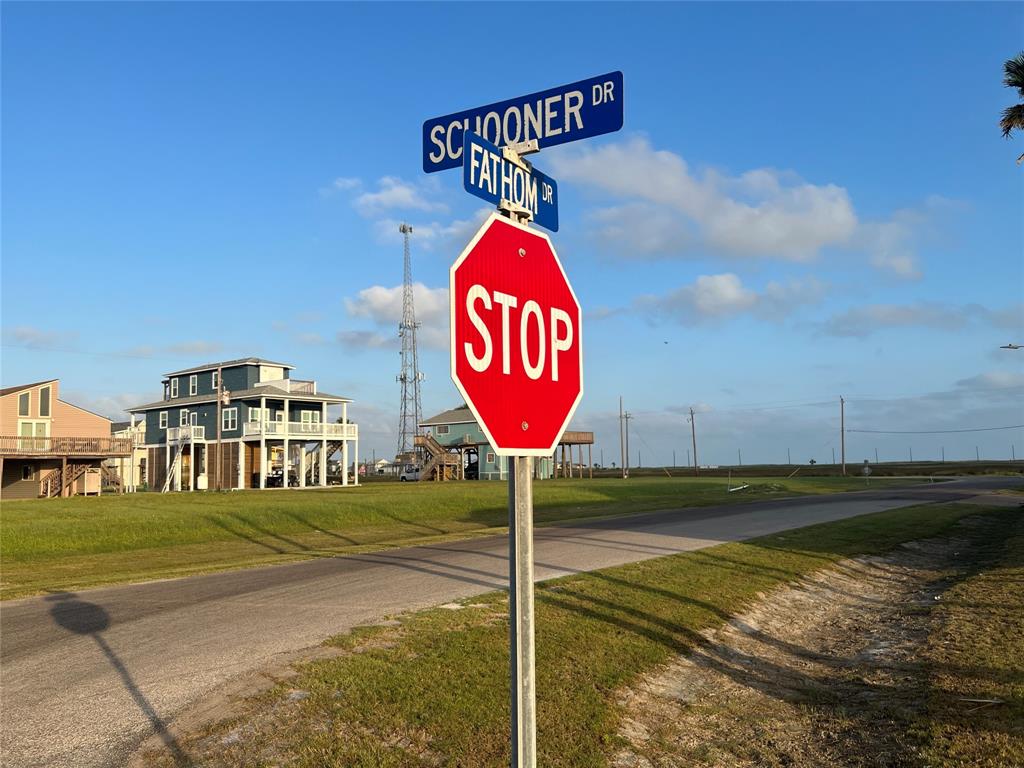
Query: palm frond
point(1013, 73)
point(1013, 120)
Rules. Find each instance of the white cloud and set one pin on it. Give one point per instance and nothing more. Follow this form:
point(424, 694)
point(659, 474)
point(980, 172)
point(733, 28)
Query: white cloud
point(383, 307)
point(197, 347)
point(719, 297)
point(760, 213)
point(346, 182)
point(394, 193)
point(992, 380)
point(111, 406)
point(366, 339)
point(433, 236)
point(37, 338)
point(671, 211)
point(865, 320)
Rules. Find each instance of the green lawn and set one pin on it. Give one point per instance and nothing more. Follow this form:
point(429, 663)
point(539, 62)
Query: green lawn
point(433, 689)
point(54, 544)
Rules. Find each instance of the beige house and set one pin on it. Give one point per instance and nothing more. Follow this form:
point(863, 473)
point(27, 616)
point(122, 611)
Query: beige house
point(49, 447)
point(128, 471)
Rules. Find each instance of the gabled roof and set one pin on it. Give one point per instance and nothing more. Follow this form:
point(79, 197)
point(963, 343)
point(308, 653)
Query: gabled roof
point(460, 415)
point(20, 387)
point(243, 394)
point(230, 364)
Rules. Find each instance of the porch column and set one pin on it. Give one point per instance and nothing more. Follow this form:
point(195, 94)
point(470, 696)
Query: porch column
point(287, 456)
point(167, 459)
point(302, 465)
point(263, 442)
point(355, 464)
point(323, 445)
point(241, 464)
point(344, 444)
point(191, 466)
point(177, 472)
point(131, 459)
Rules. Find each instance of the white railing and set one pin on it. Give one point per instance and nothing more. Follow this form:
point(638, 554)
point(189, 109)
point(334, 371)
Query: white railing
point(295, 386)
point(185, 434)
point(309, 429)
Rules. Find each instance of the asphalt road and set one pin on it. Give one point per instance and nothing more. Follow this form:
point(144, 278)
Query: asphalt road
point(87, 677)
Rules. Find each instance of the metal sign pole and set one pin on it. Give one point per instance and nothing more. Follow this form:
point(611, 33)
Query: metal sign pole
point(520, 603)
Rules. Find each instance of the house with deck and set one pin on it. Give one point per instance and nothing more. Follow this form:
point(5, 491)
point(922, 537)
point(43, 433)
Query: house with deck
point(50, 447)
point(455, 447)
point(244, 423)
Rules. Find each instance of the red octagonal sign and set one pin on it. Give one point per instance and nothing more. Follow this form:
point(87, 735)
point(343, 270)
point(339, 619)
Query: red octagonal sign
point(516, 334)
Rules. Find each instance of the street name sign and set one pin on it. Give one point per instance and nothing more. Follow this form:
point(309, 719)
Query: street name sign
point(491, 176)
point(516, 338)
point(567, 113)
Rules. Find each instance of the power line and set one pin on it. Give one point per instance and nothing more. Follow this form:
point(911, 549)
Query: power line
point(933, 431)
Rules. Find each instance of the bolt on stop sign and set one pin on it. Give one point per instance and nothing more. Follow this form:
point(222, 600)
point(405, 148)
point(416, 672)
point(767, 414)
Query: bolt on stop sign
point(516, 336)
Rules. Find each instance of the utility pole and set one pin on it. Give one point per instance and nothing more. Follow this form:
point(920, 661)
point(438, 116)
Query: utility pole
point(739, 455)
point(626, 417)
point(789, 457)
point(911, 454)
point(842, 431)
point(876, 454)
point(943, 454)
point(622, 441)
point(687, 457)
point(833, 455)
point(977, 454)
point(602, 458)
point(673, 458)
point(693, 434)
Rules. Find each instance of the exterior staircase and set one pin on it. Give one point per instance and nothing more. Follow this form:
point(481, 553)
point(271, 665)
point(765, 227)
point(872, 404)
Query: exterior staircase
point(173, 468)
point(59, 480)
point(111, 478)
point(441, 464)
point(313, 460)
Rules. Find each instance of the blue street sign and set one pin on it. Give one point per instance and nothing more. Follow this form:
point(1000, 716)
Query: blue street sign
point(567, 113)
point(488, 175)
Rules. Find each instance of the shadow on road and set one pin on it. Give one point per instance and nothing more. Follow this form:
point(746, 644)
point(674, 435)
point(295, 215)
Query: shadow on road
point(84, 618)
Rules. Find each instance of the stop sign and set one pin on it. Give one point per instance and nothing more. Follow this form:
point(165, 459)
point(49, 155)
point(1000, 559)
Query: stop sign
point(516, 338)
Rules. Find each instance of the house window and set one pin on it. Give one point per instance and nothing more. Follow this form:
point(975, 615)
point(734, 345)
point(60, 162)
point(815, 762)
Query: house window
point(44, 401)
point(254, 415)
point(163, 419)
point(174, 387)
point(183, 417)
point(193, 385)
point(490, 458)
point(193, 418)
point(213, 381)
point(23, 404)
point(442, 429)
point(229, 420)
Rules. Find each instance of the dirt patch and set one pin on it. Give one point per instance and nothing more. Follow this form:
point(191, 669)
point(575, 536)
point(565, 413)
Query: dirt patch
point(824, 672)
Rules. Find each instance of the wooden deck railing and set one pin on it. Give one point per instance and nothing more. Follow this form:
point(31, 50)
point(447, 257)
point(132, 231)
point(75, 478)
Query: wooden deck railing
point(11, 445)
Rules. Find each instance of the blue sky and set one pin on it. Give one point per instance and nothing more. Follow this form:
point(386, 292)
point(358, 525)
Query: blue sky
point(806, 200)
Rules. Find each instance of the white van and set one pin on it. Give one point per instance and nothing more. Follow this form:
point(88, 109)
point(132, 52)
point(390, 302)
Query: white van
point(409, 472)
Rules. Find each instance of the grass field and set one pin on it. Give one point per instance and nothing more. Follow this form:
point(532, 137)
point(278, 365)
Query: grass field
point(433, 689)
point(54, 544)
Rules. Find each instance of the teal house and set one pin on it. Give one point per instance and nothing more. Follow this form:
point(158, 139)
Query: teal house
point(457, 430)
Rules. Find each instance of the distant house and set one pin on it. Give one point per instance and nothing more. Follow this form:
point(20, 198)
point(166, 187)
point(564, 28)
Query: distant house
point(128, 472)
point(274, 430)
point(49, 447)
point(457, 431)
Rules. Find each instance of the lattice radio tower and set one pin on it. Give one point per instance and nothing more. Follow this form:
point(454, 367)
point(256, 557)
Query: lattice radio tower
point(411, 412)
